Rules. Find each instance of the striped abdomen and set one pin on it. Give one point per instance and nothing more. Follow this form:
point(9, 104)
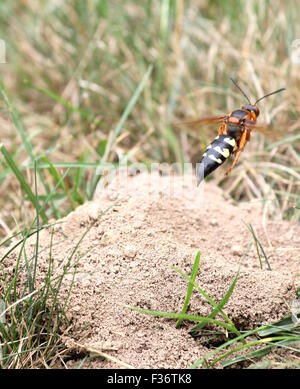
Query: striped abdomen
point(216, 154)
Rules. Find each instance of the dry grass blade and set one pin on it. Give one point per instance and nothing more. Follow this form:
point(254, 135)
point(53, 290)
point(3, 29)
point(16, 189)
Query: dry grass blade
point(102, 354)
point(258, 246)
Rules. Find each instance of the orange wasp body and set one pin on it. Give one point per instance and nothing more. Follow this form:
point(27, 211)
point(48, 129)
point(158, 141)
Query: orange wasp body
point(234, 132)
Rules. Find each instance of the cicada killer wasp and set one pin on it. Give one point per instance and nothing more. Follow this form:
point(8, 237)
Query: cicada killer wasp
point(234, 132)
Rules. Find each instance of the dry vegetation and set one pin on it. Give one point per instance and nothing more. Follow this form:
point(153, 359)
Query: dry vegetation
point(73, 67)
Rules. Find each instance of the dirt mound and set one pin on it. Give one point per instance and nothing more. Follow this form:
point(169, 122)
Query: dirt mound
point(139, 229)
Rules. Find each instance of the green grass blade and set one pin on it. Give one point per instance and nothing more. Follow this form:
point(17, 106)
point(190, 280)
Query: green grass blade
point(77, 197)
point(129, 107)
point(52, 170)
point(21, 131)
point(251, 344)
point(256, 245)
point(264, 254)
point(37, 218)
point(258, 353)
point(263, 329)
point(218, 308)
point(179, 316)
point(50, 198)
point(57, 179)
point(277, 327)
point(210, 300)
point(210, 354)
point(16, 121)
point(71, 165)
point(21, 180)
point(190, 286)
point(30, 233)
point(251, 355)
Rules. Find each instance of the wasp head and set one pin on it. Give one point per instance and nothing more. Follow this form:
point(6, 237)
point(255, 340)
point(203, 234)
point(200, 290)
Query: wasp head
point(252, 108)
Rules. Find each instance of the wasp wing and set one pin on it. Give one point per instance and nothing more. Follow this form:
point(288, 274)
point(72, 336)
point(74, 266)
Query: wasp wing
point(194, 123)
point(201, 126)
point(272, 132)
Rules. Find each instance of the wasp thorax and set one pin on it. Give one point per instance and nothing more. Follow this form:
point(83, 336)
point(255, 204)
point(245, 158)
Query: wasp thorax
point(251, 108)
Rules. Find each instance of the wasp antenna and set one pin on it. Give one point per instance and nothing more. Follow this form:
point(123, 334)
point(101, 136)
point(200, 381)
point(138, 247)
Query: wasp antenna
point(270, 94)
point(240, 89)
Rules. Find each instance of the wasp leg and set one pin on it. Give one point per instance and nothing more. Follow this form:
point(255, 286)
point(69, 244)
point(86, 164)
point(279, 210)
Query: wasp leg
point(248, 135)
point(222, 130)
point(241, 145)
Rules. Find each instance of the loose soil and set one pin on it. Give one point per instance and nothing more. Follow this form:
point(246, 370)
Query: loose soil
point(137, 231)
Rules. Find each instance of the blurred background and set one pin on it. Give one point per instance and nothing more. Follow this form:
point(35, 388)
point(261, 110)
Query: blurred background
point(97, 81)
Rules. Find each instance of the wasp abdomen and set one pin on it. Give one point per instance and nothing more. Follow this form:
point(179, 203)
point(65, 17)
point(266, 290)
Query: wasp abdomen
point(215, 155)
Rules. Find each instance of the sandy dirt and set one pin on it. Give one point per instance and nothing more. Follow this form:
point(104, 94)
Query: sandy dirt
point(137, 231)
